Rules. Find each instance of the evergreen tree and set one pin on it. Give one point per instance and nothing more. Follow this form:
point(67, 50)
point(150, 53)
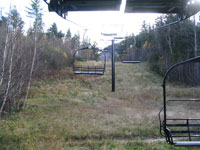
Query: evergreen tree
point(15, 20)
point(75, 41)
point(35, 12)
point(60, 35)
point(68, 35)
point(53, 31)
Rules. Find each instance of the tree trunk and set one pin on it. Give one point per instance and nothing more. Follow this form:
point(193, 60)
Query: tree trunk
point(9, 77)
point(168, 38)
point(32, 67)
point(4, 60)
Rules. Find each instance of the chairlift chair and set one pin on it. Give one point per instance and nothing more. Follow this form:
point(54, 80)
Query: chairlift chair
point(126, 56)
point(86, 64)
point(179, 130)
point(122, 53)
point(125, 59)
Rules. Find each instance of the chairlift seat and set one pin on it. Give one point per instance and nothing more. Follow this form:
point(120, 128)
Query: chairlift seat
point(187, 143)
point(89, 70)
point(122, 53)
point(131, 61)
point(86, 72)
point(179, 131)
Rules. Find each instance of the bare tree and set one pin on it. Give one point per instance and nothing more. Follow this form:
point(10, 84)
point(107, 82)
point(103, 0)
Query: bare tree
point(4, 56)
point(10, 72)
point(9, 80)
point(34, 12)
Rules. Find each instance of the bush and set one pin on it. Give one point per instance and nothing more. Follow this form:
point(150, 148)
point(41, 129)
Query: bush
point(155, 64)
point(55, 59)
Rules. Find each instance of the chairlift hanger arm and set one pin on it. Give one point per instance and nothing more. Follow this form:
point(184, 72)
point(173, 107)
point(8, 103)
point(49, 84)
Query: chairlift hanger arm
point(174, 127)
point(195, 59)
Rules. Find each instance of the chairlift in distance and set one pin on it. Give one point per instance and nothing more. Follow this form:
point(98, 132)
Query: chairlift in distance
point(126, 54)
point(87, 61)
point(177, 130)
point(121, 51)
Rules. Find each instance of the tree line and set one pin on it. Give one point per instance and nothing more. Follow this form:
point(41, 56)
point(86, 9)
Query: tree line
point(25, 56)
point(163, 47)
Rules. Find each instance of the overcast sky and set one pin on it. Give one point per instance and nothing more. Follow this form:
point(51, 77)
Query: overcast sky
point(95, 22)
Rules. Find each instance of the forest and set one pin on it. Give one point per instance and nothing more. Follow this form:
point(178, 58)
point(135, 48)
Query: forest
point(165, 46)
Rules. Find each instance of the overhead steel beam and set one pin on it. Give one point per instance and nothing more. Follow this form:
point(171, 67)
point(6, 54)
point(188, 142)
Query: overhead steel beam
point(184, 8)
point(63, 6)
point(158, 6)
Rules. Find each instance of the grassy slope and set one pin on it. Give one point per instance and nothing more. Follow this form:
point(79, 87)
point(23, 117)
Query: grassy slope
point(80, 112)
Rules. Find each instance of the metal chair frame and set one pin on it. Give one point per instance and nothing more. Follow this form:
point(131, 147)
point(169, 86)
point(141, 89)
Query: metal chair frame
point(131, 61)
point(167, 129)
point(90, 69)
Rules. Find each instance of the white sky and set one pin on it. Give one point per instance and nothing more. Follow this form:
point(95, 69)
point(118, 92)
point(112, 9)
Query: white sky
point(95, 22)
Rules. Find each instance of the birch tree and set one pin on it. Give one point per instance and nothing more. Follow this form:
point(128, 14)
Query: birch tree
point(10, 72)
point(4, 55)
point(34, 12)
point(14, 27)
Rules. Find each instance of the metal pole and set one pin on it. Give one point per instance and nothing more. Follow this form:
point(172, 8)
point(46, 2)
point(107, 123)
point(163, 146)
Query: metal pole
point(1, 14)
point(113, 66)
point(195, 49)
point(113, 57)
point(195, 37)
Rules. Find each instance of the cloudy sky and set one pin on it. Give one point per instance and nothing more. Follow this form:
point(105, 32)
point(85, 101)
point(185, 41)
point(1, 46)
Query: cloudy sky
point(95, 22)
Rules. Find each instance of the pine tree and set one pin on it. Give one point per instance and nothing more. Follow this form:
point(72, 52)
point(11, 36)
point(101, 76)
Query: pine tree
point(53, 31)
point(68, 35)
point(16, 20)
point(35, 12)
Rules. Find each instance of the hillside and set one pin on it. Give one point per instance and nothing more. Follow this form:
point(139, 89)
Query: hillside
point(80, 112)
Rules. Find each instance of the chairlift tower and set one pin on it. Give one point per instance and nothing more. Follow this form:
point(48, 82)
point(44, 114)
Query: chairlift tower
point(113, 56)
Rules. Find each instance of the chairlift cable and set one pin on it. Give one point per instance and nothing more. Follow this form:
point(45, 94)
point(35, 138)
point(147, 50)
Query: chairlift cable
point(75, 23)
point(172, 23)
point(167, 25)
point(46, 2)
